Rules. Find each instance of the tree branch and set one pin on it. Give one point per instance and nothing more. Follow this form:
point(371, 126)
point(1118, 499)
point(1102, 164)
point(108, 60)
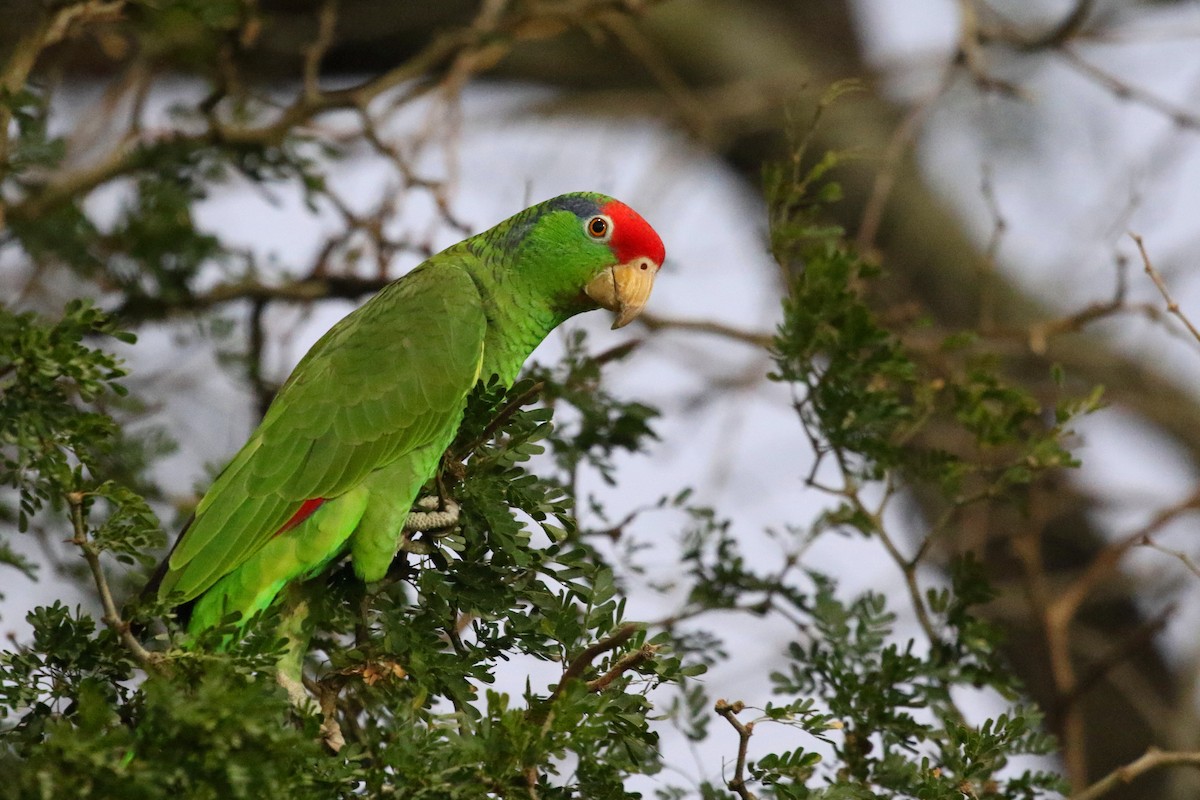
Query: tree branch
point(1152, 759)
point(306, 290)
point(737, 784)
point(444, 50)
point(1172, 306)
point(755, 338)
point(112, 617)
point(627, 662)
point(581, 662)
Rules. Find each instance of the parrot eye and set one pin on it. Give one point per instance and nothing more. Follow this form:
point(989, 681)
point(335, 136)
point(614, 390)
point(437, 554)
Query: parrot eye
point(598, 227)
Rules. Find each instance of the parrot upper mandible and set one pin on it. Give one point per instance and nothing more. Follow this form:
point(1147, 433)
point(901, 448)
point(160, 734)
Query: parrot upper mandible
point(361, 423)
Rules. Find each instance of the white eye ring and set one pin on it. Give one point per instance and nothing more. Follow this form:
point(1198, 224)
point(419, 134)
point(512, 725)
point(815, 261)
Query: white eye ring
point(599, 227)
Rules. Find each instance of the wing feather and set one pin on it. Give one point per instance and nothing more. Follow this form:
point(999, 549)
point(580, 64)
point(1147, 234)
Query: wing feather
point(388, 379)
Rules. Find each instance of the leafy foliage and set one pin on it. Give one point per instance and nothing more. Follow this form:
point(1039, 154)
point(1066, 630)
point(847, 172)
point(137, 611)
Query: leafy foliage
point(49, 374)
point(408, 669)
point(898, 729)
point(602, 425)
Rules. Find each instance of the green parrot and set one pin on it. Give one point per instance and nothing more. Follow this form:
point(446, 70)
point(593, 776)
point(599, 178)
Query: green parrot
point(361, 423)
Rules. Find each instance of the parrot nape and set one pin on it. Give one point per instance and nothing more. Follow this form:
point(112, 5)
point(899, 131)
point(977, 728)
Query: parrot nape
point(363, 420)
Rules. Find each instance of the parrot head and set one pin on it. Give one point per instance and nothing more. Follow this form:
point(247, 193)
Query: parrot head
point(589, 250)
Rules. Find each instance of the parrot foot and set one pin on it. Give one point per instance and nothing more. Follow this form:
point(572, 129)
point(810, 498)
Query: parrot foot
point(435, 517)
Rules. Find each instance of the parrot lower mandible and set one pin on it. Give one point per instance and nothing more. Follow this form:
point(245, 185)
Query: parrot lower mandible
point(362, 422)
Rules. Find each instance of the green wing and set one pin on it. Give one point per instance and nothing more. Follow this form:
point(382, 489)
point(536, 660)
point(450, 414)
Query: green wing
point(385, 381)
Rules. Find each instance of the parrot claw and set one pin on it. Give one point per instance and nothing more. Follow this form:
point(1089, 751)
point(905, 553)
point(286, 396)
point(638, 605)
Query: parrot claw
point(437, 517)
point(434, 523)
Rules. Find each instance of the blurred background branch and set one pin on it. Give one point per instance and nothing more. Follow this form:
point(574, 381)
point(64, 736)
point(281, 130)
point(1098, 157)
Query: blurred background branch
point(282, 85)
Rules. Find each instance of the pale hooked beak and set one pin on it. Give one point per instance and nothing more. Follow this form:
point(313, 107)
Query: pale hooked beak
point(624, 288)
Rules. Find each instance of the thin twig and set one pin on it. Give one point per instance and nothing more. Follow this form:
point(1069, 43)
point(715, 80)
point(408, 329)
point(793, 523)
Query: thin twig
point(346, 287)
point(1172, 306)
point(625, 663)
point(1069, 601)
point(502, 416)
point(1183, 558)
point(1067, 29)
point(692, 111)
point(112, 617)
point(581, 662)
point(1059, 613)
point(755, 338)
point(443, 53)
point(80, 12)
point(1180, 116)
point(1140, 639)
point(737, 784)
point(899, 144)
point(1027, 546)
point(544, 712)
point(987, 265)
point(315, 52)
point(1040, 333)
point(1152, 759)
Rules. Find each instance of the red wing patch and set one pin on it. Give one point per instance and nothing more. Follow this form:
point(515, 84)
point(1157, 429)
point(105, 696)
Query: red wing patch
point(304, 512)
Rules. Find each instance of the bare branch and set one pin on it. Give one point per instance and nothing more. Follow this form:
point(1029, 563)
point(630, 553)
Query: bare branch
point(347, 287)
point(454, 49)
point(1126, 91)
point(1059, 611)
point(315, 52)
point(1068, 602)
point(1172, 306)
point(737, 784)
point(898, 148)
point(1182, 557)
point(755, 338)
point(1066, 30)
point(81, 12)
point(1152, 759)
